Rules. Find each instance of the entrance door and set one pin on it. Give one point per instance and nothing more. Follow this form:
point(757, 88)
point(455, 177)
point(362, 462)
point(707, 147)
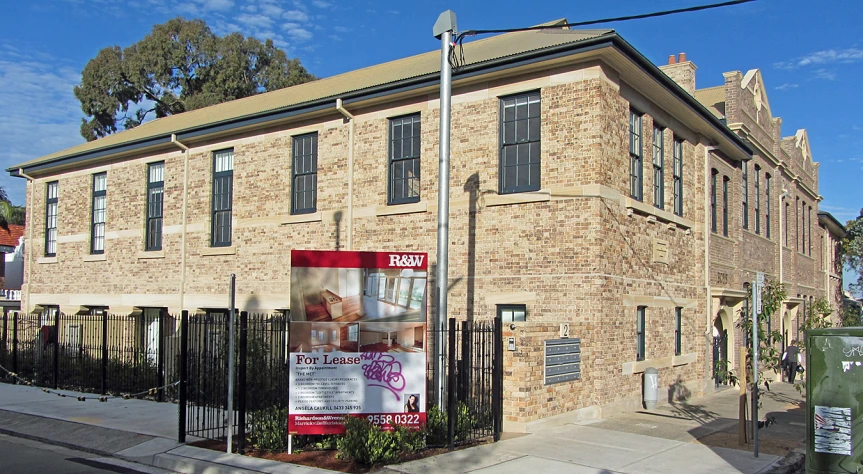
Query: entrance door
point(720, 353)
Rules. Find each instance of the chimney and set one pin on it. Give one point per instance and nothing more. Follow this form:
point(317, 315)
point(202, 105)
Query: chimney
point(681, 71)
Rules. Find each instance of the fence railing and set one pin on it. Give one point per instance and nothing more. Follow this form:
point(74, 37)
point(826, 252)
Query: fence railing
point(99, 353)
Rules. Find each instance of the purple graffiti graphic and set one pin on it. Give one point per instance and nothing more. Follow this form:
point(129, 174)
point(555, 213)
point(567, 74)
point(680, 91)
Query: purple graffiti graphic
point(384, 368)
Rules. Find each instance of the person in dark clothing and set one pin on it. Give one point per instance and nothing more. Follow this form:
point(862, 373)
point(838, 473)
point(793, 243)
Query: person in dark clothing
point(790, 361)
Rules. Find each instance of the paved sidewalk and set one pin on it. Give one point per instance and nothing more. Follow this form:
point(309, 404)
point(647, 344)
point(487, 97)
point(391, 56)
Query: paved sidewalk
point(140, 431)
point(667, 440)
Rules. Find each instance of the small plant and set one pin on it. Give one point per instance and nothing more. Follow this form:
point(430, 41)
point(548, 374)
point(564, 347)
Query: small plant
point(368, 444)
point(268, 429)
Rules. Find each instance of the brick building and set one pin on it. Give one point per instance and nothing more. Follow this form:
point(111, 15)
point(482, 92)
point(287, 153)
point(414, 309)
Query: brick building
point(580, 193)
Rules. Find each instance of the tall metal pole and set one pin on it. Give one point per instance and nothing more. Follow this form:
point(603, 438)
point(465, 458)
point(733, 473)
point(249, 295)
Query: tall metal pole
point(232, 298)
point(444, 28)
point(756, 296)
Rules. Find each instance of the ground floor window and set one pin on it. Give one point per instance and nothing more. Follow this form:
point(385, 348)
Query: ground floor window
point(511, 313)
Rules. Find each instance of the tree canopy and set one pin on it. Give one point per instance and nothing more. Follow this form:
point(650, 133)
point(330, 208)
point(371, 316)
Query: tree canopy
point(852, 250)
point(181, 65)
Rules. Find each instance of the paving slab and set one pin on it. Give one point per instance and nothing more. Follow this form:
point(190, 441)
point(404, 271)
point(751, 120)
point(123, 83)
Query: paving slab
point(535, 465)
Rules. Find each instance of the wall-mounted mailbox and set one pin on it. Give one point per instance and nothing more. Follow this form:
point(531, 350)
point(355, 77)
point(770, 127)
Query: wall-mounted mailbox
point(562, 360)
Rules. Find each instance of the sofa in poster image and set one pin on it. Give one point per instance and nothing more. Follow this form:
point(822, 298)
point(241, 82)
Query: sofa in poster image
point(358, 294)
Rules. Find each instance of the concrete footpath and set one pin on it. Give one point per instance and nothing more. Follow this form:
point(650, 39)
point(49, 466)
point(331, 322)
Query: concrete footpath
point(139, 431)
point(698, 436)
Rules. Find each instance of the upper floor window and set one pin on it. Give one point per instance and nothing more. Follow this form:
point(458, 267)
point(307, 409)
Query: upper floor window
point(785, 229)
point(757, 199)
point(658, 168)
point(520, 143)
point(304, 174)
point(809, 230)
point(155, 200)
point(223, 197)
point(745, 166)
point(405, 147)
point(51, 194)
point(635, 150)
point(767, 205)
point(713, 219)
point(803, 227)
point(97, 223)
point(725, 181)
point(678, 177)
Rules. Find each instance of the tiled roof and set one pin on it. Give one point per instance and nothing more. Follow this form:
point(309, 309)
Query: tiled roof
point(10, 237)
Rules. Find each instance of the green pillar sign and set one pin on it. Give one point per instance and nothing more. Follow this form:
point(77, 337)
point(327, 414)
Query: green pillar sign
point(834, 398)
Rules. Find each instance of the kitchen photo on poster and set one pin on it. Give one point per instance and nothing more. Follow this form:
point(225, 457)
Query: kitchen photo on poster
point(357, 339)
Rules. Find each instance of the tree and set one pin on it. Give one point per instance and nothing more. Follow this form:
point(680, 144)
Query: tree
point(181, 65)
point(852, 251)
point(9, 213)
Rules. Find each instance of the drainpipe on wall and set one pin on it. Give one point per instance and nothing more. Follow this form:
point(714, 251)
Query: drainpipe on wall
point(29, 247)
point(350, 171)
point(709, 328)
point(183, 238)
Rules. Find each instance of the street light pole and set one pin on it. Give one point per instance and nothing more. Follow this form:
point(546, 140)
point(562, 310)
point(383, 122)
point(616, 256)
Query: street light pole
point(443, 29)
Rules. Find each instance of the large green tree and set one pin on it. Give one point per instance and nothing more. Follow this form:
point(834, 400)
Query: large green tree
point(181, 65)
point(852, 251)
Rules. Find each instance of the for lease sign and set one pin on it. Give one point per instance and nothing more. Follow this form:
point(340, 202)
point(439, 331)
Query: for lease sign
point(357, 339)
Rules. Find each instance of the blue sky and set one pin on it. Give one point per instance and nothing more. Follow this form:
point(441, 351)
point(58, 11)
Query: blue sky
point(809, 53)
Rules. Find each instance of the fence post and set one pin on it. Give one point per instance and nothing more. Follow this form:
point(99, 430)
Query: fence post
point(15, 347)
point(184, 362)
point(104, 352)
point(5, 336)
point(57, 348)
point(241, 382)
point(497, 379)
point(452, 410)
point(161, 358)
point(465, 365)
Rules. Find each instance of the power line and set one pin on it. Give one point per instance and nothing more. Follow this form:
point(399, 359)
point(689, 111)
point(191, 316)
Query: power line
point(605, 20)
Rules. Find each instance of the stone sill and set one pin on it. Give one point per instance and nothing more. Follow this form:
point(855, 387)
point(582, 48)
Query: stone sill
point(398, 209)
point(543, 195)
point(722, 237)
point(209, 252)
point(760, 236)
point(46, 260)
point(633, 206)
point(99, 257)
point(805, 256)
point(637, 367)
point(151, 254)
point(300, 219)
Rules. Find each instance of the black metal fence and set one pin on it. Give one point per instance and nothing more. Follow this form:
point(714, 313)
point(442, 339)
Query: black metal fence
point(100, 353)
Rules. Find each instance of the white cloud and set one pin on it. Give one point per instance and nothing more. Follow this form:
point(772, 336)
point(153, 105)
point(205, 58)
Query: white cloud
point(321, 4)
point(297, 32)
point(254, 21)
point(824, 74)
point(786, 86)
point(842, 214)
point(40, 112)
point(827, 56)
point(296, 15)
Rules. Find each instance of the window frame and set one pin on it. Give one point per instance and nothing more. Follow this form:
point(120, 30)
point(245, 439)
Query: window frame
point(636, 155)
point(757, 199)
point(51, 203)
point(641, 333)
point(224, 176)
point(298, 140)
point(745, 166)
point(97, 228)
point(678, 331)
point(677, 173)
point(767, 205)
point(658, 168)
point(725, 181)
point(504, 146)
point(153, 237)
point(513, 308)
point(714, 225)
point(415, 157)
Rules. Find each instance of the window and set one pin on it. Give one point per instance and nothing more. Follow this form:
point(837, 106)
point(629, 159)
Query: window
point(635, 148)
point(745, 165)
point(520, 143)
point(713, 174)
point(787, 205)
point(511, 313)
point(223, 194)
point(767, 205)
point(354, 333)
point(797, 223)
point(803, 227)
point(809, 229)
point(678, 177)
point(725, 205)
point(658, 168)
point(155, 200)
point(640, 337)
point(757, 199)
point(51, 192)
point(405, 150)
point(304, 174)
point(678, 335)
point(97, 223)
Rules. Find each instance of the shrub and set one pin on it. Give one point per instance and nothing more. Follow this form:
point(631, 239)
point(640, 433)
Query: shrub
point(268, 429)
point(368, 444)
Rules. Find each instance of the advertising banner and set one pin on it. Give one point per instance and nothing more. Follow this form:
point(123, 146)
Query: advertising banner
point(357, 339)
